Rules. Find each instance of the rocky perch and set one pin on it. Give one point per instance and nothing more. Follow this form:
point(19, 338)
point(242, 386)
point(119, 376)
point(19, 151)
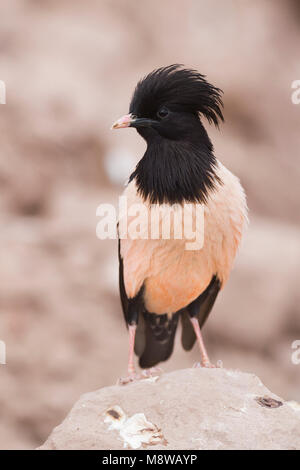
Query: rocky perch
point(185, 409)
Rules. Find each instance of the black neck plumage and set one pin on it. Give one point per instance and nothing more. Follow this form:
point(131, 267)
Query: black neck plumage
point(173, 172)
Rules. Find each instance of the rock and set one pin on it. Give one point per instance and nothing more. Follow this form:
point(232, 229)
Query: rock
point(185, 409)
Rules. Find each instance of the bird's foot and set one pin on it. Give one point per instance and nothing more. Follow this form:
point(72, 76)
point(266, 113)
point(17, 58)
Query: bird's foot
point(206, 364)
point(153, 371)
point(132, 377)
point(145, 374)
point(203, 365)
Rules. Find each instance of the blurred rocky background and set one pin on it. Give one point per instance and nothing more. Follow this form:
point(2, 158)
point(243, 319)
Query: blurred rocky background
point(70, 68)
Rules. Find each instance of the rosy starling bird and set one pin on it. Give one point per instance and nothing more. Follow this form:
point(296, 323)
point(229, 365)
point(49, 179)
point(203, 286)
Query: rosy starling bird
point(161, 281)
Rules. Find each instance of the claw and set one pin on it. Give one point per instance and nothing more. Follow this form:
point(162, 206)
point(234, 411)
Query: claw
point(146, 374)
point(130, 378)
point(152, 371)
point(207, 365)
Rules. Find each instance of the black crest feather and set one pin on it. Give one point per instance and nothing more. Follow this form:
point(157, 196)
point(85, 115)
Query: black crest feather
point(174, 85)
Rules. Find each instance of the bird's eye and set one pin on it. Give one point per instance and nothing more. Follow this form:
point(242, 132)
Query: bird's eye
point(162, 112)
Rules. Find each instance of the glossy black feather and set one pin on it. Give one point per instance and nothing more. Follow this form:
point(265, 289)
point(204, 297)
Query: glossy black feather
point(132, 307)
point(159, 332)
point(176, 172)
point(123, 295)
point(182, 89)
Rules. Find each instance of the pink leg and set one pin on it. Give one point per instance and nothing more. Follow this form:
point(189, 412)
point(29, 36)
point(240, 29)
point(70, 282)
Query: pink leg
point(132, 375)
point(131, 368)
point(205, 362)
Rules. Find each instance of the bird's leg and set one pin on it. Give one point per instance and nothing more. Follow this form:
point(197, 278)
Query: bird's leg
point(205, 362)
point(132, 375)
point(131, 368)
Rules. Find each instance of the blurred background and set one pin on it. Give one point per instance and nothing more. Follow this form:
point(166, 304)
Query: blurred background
point(70, 68)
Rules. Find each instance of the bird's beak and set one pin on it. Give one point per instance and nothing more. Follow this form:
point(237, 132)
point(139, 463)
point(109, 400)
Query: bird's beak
point(124, 121)
point(129, 120)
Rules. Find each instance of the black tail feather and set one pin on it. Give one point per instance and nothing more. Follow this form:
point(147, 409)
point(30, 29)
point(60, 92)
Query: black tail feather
point(155, 338)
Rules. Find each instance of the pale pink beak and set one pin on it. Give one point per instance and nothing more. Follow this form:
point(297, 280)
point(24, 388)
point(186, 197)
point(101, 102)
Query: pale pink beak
point(124, 121)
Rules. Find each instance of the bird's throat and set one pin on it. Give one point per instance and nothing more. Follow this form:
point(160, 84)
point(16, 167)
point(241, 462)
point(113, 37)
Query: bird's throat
point(173, 172)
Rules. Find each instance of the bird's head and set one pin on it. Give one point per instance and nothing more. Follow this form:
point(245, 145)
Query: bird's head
point(169, 102)
point(166, 109)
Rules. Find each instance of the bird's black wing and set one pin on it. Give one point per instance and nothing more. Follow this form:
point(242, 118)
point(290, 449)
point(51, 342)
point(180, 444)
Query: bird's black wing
point(199, 308)
point(123, 295)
